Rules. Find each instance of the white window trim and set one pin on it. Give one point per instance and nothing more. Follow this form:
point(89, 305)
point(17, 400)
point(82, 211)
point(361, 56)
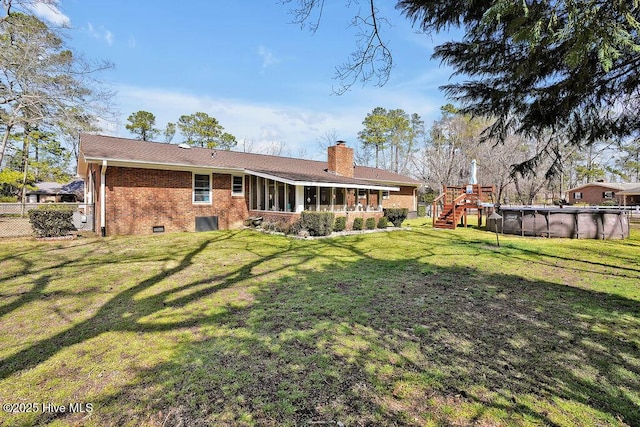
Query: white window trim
point(233, 193)
point(577, 195)
point(385, 196)
point(193, 189)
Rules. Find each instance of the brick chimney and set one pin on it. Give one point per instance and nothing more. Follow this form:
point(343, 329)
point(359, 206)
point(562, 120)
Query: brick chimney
point(340, 159)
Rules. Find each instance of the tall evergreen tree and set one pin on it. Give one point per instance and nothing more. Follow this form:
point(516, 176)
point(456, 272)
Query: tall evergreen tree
point(538, 67)
point(202, 130)
point(142, 125)
point(376, 129)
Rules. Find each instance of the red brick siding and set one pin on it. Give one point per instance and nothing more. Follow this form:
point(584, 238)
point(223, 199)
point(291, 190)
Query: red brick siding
point(139, 199)
point(400, 199)
point(593, 195)
point(373, 198)
point(364, 215)
point(340, 160)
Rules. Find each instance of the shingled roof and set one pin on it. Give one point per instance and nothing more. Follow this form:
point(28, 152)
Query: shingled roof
point(95, 148)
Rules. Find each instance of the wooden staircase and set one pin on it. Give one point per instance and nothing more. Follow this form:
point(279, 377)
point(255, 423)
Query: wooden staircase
point(455, 200)
point(449, 217)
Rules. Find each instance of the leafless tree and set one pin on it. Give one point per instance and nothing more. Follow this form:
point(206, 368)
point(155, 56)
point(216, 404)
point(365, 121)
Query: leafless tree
point(371, 61)
point(274, 148)
point(327, 139)
point(43, 84)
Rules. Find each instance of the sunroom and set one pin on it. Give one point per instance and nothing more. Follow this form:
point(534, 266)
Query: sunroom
point(278, 194)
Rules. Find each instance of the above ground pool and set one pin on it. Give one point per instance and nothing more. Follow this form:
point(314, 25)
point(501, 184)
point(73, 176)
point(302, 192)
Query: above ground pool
point(575, 223)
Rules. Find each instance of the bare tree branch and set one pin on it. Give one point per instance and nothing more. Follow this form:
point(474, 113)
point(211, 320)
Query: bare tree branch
point(371, 61)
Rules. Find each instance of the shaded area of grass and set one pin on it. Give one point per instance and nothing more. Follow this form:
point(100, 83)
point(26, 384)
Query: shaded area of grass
point(416, 327)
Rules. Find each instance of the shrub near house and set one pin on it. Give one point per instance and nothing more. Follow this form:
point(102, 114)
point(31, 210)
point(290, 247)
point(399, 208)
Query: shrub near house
point(357, 224)
point(52, 221)
point(383, 222)
point(396, 215)
point(317, 223)
point(370, 223)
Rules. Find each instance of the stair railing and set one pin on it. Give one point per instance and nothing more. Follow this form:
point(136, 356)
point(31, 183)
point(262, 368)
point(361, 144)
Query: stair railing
point(434, 208)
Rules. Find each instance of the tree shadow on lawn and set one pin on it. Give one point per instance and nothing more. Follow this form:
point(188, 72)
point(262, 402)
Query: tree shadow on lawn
point(581, 261)
point(366, 341)
point(374, 342)
point(124, 311)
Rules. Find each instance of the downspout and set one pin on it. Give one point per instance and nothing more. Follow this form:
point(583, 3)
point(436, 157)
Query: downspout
point(415, 199)
point(103, 204)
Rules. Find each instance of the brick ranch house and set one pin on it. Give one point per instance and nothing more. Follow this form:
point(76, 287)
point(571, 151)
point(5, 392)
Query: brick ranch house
point(599, 193)
point(144, 187)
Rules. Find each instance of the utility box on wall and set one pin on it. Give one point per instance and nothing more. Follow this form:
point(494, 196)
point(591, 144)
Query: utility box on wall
point(206, 223)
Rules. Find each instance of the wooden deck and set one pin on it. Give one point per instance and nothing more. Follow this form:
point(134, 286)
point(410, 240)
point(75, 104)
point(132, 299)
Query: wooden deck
point(455, 202)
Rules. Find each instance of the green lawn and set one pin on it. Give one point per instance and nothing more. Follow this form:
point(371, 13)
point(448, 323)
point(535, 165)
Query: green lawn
point(414, 327)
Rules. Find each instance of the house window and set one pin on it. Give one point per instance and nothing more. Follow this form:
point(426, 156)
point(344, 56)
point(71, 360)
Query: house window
point(237, 185)
point(362, 193)
point(607, 194)
point(385, 194)
point(577, 195)
point(201, 188)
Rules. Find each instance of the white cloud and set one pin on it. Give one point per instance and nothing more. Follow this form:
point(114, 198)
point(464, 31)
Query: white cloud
point(108, 36)
point(100, 33)
point(299, 124)
point(51, 13)
point(268, 58)
point(259, 123)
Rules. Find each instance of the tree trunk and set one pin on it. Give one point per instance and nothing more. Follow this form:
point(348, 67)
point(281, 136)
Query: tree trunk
point(25, 169)
point(396, 159)
point(3, 145)
point(36, 149)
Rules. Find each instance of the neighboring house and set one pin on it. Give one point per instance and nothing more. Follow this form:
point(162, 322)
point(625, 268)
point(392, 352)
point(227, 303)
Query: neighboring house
point(598, 193)
point(144, 187)
point(54, 192)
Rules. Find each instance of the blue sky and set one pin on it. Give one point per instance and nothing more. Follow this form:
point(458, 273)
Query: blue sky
point(265, 79)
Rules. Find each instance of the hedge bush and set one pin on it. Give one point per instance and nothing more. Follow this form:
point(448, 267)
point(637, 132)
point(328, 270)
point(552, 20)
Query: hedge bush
point(383, 222)
point(340, 224)
point(396, 215)
point(357, 224)
point(295, 228)
point(422, 211)
point(370, 223)
point(52, 221)
point(318, 223)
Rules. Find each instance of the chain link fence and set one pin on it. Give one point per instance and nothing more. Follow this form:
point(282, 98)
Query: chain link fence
point(14, 217)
